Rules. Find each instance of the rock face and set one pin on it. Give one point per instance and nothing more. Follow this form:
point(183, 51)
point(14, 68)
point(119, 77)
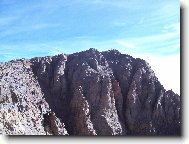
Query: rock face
point(23, 109)
point(85, 93)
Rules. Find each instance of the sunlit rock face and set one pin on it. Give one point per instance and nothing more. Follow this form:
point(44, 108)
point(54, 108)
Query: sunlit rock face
point(23, 108)
point(85, 93)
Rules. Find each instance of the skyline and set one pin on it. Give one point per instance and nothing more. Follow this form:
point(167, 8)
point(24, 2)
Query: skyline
point(140, 28)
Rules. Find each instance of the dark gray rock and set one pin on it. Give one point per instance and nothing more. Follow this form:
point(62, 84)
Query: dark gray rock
point(86, 93)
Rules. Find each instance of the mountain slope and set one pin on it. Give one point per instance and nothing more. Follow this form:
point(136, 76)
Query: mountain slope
point(86, 93)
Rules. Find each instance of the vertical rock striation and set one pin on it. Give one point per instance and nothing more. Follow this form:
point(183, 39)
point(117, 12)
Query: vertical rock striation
point(22, 105)
point(86, 93)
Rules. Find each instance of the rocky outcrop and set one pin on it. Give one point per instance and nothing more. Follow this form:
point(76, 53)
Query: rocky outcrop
point(86, 93)
point(23, 108)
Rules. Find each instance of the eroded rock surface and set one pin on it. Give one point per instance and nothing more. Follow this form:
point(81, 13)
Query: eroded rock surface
point(86, 93)
point(22, 103)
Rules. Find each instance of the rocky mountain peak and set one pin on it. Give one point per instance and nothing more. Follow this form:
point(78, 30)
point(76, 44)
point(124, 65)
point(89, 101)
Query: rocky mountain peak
point(86, 93)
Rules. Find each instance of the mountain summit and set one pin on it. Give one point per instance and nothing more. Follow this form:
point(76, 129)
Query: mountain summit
point(85, 93)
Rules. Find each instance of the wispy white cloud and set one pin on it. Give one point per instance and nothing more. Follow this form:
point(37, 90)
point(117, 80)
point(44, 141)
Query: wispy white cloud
point(156, 37)
point(119, 23)
point(29, 28)
point(165, 42)
point(119, 3)
point(40, 26)
point(141, 21)
point(7, 20)
point(52, 49)
point(174, 27)
point(126, 44)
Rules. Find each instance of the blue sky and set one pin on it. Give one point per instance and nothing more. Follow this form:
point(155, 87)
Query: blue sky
point(149, 29)
point(48, 27)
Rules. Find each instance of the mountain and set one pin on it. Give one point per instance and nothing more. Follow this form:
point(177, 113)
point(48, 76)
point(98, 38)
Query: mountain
point(85, 93)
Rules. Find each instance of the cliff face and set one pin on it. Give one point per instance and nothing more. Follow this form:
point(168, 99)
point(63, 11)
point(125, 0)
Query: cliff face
point(86, 93)
point(23, 109)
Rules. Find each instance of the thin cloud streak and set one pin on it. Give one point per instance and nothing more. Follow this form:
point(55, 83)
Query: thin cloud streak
point(30, 28)
point(7, 20)
point(126, 44)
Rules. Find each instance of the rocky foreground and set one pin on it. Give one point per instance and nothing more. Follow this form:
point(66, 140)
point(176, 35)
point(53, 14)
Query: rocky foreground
point(85, 93)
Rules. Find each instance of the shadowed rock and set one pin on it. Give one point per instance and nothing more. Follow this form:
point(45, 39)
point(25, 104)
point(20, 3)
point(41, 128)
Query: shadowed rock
point(86, 93)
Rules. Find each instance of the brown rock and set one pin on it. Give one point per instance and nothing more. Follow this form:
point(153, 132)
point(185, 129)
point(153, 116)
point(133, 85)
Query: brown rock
point(86, 93)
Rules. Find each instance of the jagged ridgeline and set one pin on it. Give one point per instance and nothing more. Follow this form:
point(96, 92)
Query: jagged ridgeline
point(85, 93)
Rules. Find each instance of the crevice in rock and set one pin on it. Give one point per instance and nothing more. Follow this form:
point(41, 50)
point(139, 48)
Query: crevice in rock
point(92, 93)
